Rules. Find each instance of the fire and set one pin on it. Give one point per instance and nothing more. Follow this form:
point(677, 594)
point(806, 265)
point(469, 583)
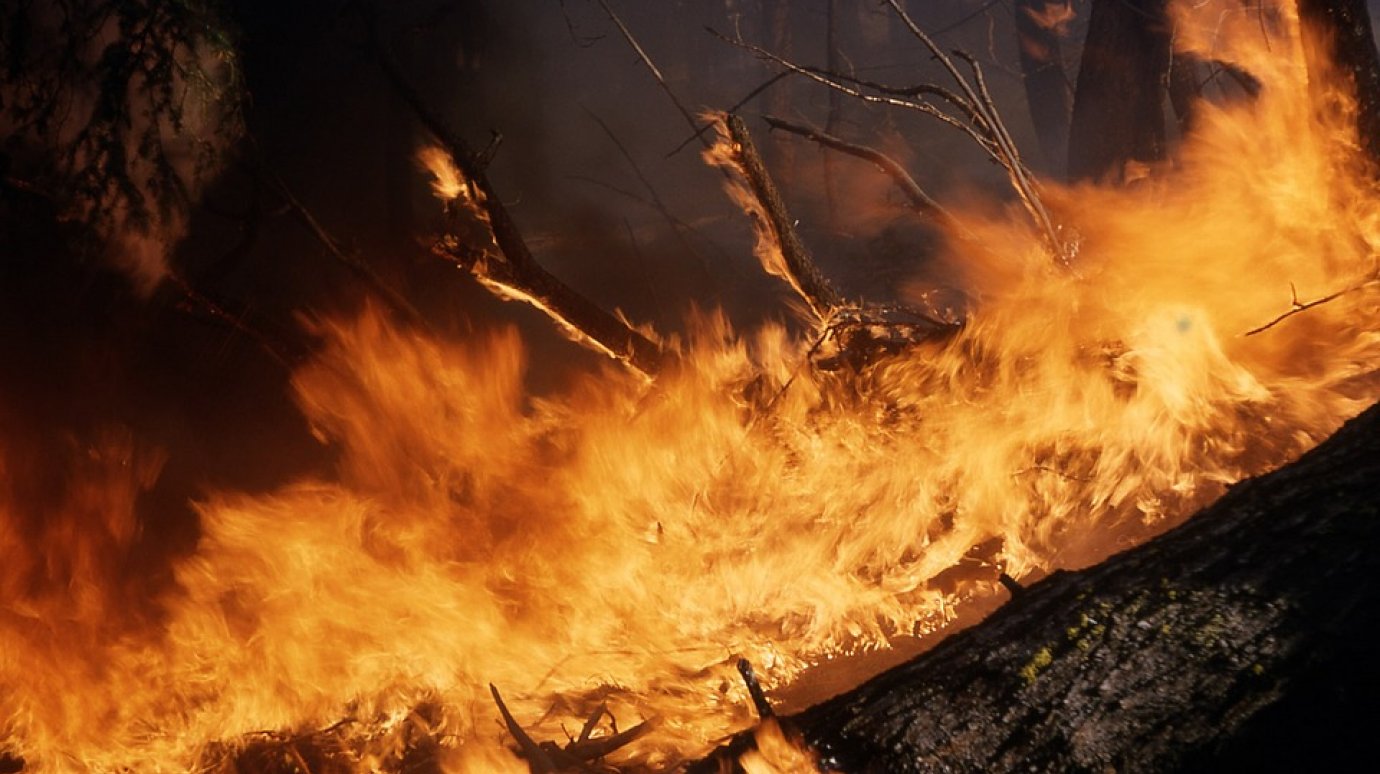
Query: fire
point(623, 543)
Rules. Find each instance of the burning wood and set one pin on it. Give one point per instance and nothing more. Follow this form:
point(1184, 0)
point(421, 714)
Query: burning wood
point(612, 548)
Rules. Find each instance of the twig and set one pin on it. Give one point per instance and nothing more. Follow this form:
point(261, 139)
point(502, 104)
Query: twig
point(1013, 586)
point(921, 202)
point(734, 108)
point(834, 81)
point(654, 70)
point(676, 224)
point(277, 350)
point(347, 258)
point(995, 128)
point(1298, 308)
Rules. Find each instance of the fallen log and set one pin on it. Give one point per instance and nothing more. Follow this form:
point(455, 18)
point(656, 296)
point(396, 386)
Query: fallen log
point(1242, 640)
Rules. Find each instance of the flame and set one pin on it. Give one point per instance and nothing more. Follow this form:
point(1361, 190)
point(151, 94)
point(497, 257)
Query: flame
point(622, 544)
point(446, 180)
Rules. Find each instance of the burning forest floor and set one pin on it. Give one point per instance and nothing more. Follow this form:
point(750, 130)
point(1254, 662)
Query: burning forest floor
point(602, 556)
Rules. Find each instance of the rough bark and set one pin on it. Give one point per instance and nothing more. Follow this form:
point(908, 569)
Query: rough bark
point(1242, 640)
point(1118, 108)
point(1047, 91)
point(1346, 29)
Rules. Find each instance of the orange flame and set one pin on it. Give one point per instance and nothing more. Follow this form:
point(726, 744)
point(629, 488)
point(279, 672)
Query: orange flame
point(624, 543)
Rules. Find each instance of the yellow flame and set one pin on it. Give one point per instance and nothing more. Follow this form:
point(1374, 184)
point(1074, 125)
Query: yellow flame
point(446, 180)
point(624, 544)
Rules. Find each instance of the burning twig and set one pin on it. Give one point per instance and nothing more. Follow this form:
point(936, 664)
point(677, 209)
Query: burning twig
point(921, 202)
point(1012, 585)
point(1297, 308)
point(510, 271)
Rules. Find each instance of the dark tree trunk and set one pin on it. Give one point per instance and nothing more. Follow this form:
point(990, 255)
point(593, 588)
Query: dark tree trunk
point(1243, 640)
point(1118, 109)
point(1047, 90)
point(1345, 26)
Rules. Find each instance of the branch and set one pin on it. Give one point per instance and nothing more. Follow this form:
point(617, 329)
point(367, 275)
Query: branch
point(512, 272)
point(348, 259)
point(655, 71)
point(921, 202)
point(839, 83)
point(996, 129)
point(1298, 308)
point(798, 268)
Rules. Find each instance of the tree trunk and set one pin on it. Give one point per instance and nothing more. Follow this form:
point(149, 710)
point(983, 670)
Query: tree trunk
point(1118, 109)
point(1242, 640)
point(1346, 30)
point(1047, 91)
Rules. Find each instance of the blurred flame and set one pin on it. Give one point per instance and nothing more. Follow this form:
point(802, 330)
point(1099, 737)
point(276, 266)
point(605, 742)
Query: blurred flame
point(446, 180)
point(623, 544)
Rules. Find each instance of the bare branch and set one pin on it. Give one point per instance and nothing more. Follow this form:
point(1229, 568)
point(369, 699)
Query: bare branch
point(678, 226)
point(655, 71)
point(348, 258)
point(834, 82)
point(921, 202)
point(1299, 308)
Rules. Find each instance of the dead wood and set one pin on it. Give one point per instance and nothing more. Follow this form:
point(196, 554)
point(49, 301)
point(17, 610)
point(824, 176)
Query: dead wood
point(510, 270)
point(1298, 307)
point(801, 272)
point(1241, 641)
point(580, 754)
point(347, 258)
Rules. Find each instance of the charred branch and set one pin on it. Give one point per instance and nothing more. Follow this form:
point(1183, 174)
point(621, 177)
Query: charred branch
point(511, 271)
point(1298, 307)
point(800, 269)
point(579, 753)
point(1236, 642)
point(653, 69)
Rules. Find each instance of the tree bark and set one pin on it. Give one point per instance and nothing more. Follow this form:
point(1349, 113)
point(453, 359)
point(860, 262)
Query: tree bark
point(1242, 640)
point(1345, 27)
point(1118, 108)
